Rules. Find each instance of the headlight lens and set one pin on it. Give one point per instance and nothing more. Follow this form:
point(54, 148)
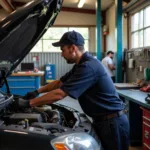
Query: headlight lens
point(75, 141)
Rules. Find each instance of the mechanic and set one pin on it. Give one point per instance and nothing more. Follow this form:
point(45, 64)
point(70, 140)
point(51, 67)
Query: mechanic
point(88, 82)
point(108, 63)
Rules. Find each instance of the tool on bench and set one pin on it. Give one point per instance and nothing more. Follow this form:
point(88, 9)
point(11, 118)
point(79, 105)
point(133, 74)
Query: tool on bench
point(147, 99)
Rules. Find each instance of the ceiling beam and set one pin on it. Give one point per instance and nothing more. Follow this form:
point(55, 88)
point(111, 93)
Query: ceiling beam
point(79, 10)
point(127, 1)
point(18, 4)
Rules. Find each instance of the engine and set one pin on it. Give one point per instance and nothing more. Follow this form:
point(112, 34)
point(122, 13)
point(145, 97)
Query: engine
point(55, 118)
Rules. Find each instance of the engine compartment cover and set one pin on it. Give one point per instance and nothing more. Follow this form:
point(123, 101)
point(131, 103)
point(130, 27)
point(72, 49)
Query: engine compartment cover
point(18, 117)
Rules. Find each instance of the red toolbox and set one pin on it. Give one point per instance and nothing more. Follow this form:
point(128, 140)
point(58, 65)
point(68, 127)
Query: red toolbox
point(146, 129)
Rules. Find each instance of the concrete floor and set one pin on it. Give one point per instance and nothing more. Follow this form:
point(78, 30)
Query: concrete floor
point(68, 101)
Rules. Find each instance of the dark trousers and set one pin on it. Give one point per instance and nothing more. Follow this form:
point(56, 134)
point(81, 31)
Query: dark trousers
point(113, 133)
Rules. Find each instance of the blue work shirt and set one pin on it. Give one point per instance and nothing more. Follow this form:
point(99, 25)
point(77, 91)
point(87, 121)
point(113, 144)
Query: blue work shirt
point(89, 82)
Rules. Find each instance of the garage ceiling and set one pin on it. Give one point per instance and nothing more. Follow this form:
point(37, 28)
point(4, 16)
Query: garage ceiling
point(89, 4)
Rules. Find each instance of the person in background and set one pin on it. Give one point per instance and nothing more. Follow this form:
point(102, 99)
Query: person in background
point(108, 63)
point(88, 82)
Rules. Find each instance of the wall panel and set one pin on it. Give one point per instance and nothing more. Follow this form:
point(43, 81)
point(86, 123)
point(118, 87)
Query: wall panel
point(54, 58)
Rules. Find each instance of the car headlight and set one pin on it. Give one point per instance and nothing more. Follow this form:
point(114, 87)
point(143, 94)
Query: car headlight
point(75, 141)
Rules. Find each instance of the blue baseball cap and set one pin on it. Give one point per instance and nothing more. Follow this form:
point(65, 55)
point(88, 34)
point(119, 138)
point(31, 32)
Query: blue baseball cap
point(69, 38)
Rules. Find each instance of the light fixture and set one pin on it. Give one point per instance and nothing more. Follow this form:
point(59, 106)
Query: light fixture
point(81, 3)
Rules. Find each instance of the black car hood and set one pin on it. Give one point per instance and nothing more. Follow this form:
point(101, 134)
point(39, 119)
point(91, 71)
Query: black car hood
point(22, 29)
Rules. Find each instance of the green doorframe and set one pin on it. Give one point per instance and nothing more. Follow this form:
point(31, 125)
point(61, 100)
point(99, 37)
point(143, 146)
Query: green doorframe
point(99, 30)
point(119, 42)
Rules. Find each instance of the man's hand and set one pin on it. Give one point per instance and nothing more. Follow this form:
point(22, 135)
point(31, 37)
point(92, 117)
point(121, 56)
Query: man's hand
point(20, 103)
point(31, 95)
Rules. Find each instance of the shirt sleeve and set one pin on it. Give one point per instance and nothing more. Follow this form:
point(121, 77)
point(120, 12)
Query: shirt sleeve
point(67, 75)
point(82, 79)
point(109, 61)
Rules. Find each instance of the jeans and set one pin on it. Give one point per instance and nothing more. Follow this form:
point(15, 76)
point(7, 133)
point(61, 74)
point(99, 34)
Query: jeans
point(113, 133)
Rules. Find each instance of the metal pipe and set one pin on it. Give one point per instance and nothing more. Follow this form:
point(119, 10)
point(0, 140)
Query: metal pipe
point(130, 4)
point(118, 4)
point(99, 30)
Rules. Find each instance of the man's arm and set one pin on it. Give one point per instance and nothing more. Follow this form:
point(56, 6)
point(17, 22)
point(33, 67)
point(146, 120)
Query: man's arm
point(111, 66)
point(48, 98)
point(51, 86)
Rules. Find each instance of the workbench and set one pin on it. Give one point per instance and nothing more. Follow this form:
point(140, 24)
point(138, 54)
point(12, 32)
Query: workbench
point(22, 82)
point(135, 100)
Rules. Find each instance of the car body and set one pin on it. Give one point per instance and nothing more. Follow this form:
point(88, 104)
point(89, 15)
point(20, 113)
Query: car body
point(49, 127)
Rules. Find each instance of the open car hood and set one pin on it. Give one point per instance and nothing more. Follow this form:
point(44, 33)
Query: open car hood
point(22, 29)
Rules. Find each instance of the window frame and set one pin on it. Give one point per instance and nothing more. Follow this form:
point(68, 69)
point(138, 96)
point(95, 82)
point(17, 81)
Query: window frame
point(139, 29)
point(58, 51)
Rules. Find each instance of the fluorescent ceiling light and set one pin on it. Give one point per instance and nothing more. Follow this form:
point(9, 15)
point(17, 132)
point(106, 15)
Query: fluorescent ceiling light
point(81, 3)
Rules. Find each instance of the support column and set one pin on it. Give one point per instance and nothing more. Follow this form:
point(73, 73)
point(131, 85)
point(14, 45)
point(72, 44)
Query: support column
point(99, 30)
point(118, 4)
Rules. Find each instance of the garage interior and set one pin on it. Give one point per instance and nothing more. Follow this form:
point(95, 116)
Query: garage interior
point(121, 26)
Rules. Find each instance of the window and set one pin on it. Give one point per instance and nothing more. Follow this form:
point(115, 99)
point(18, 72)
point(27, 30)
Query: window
point(140, 29)
point(54, 34)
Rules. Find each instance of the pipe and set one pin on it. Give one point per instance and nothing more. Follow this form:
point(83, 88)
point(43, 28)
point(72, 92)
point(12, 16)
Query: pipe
point(118, 4)
point(99, 30)
point(130, 4)
point(6, 4)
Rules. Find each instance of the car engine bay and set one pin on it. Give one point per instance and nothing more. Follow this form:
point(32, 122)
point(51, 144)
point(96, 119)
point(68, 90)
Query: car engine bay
point(55, 118)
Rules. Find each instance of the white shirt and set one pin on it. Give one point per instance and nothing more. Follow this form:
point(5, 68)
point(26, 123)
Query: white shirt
point(108, 61)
